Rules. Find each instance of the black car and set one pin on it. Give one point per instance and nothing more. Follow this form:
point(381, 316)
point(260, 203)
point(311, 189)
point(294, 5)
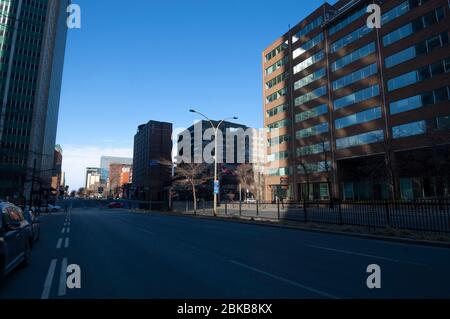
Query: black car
point(16, 239)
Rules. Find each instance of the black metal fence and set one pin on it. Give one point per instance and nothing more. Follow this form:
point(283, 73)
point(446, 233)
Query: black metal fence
point(419, 215)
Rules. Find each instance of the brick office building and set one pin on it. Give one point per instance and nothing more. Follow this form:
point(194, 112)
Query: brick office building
point(361, 113)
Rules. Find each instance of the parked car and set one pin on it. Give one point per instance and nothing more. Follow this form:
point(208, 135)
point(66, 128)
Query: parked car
point(115, 205)
point(16, 239)
point(35, 223)
point(50, 208)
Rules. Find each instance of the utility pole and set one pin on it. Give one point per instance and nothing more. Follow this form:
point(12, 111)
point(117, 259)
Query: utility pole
point(216, 132)
point(32, 183)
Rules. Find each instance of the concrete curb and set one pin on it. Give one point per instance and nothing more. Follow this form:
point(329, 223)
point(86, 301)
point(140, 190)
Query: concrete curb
point(409, 241)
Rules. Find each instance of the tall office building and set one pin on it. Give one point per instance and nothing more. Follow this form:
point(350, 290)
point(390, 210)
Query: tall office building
point(93, 180)
point(106, 161)
point(32, 46)
point(360, 112)
point(152, 143)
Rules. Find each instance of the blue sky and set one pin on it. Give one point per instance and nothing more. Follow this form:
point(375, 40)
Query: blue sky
point(143, 60)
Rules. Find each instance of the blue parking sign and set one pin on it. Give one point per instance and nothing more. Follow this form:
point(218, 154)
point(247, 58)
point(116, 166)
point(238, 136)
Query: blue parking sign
point(216, 187)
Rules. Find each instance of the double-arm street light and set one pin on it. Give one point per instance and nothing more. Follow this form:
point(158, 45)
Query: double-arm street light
point(216, 131)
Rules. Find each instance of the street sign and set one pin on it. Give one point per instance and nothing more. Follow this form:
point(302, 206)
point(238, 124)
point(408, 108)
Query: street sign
point(216, 187)
point(284, 181)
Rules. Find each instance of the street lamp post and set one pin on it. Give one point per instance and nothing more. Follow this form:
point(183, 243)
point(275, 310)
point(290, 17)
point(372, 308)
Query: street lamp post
point(216, 131)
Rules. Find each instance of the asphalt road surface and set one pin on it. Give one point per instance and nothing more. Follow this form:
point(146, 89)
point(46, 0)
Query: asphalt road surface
point(129, 255)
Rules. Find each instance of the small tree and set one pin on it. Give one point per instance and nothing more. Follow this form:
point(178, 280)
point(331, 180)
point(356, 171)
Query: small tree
point(307, 174)
point(81, 192)
point(189, 175)
point(246, 178)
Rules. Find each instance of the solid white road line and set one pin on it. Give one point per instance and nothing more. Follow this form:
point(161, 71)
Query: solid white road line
point(366, 255)
point(49, 280)
point(66, 244)
point(68, 230)
point(293, 283)
point(58, 245)
point(63, 278)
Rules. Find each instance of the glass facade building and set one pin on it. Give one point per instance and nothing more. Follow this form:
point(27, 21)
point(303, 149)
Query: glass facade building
point(32, 47)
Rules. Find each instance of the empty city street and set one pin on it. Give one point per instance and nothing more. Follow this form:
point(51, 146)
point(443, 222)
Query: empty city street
point(122, 254)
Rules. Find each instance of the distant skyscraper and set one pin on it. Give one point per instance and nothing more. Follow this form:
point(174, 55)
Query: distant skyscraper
point(32, 46)
point(93, 178)
point(152, 143)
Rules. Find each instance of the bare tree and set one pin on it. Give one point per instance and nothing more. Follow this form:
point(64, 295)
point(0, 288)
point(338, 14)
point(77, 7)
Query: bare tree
point(246, 178)
point(327, 167)
point(190, 175)
point(307, 174)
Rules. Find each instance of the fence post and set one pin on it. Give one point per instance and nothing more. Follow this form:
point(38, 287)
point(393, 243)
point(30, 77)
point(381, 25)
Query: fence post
point(340, 211)
point(257, 208)
point(240, 208)
point(388, 217)
point(278, 208)
point(226, 208)
point(305, 210)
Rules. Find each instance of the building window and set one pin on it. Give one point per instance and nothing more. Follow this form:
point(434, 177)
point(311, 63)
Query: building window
point(275, 96)
point(279, 124)
point(410, 129)
point(314, 130)
point(276, 110)
point(421, 74)
point(279, 140)
point(311, 95)
point(277, 51)
point(400, 57)
point(350, 38)
point(277, 65)
point(308, 45)
point(319, 167)
point(443, 122)
point(278, 156)
point(282, 171)
point(307, 29)
point(314, 149)
point(361, 139)
point(359, 118)
point(308, 62)
point(354, 56)
point(398, 34)
point(421, 48)
point(407, 104)
point(356, 76)
point(309, 79)
point(345, 22)
point(280, 78)
point(394, 13)
point(357, 97)
point(414, 27)
point(314, 112)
